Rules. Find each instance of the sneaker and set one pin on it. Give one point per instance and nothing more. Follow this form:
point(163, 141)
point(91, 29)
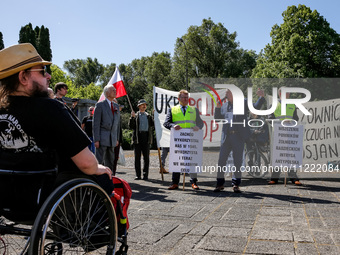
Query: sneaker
point(236, 189)
point(173, 186)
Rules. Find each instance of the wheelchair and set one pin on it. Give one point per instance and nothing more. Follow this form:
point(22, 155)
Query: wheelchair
point(78, 217)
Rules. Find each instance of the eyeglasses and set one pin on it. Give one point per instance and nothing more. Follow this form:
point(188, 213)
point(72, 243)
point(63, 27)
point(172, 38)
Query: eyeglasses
point(42, 71)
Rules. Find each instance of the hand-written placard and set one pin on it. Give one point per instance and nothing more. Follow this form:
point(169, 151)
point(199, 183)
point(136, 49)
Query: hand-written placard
point(287, 147)
point(186, 150)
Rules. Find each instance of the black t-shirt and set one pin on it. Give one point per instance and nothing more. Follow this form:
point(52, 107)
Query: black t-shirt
point(88, 120)
point(37, 134)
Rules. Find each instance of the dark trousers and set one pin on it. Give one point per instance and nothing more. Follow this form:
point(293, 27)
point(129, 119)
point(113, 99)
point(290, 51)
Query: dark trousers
point(105, 156)
point(236, 145)
point(142, 148)
point(114, 169)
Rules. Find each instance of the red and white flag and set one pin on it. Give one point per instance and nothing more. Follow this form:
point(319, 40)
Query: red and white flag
point(117, 82)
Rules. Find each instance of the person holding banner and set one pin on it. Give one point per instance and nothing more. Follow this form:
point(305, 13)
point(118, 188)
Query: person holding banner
point(234, 137)
point(291, 113)
point(183, 116)
point(141, 123)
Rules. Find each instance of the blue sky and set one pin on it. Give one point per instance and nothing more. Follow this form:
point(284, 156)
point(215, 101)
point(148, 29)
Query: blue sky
point(120, 31)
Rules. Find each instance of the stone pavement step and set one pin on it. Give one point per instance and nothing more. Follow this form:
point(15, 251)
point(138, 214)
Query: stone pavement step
point(262, 219)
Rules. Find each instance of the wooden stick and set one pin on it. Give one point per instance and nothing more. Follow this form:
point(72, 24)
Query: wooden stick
point(127, 95)
point(183, 181)
point(160, 163)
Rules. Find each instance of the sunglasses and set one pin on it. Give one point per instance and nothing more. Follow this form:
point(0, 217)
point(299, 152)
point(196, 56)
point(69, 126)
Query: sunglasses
point(42, 71)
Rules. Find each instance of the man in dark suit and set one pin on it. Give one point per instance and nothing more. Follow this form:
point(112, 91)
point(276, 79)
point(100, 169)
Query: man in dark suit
point(106, 122)
point(233, 138)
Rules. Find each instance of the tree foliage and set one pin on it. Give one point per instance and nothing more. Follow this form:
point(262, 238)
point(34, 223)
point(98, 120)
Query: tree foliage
point(58, 75)
point(210, 50)
point(91, 91)
point(28, 35)
point(84, 71)
point(44, 43)
point(304, 45)
point(2, 45)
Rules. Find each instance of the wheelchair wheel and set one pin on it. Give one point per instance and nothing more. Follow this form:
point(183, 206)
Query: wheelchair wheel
point(256, 164)
point(2, 247)
point(77, 218)
point(13, 237)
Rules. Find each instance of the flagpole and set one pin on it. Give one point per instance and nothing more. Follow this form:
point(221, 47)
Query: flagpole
point(127, 95)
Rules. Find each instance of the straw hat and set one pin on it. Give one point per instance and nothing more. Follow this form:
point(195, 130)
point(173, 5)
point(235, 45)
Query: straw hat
point(19, 57)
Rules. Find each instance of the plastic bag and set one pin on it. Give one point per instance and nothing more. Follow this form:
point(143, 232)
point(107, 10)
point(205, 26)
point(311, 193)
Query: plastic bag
point(121, 159)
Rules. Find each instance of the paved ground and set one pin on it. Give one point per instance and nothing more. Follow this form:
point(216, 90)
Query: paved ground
point(261, 220)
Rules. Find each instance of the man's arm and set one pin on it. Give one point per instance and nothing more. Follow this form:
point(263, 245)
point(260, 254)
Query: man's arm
point(261, 99)
point(295, 116)
point(151, 120)
point(168, 120)
point(88, 164)
point(132, 120)
point(217, 113)
point(199, 121)
point(96, 124)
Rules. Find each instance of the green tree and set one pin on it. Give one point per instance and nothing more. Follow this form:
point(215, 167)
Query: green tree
point(1, 42)
point(304, 45)
point(28, 35)
point(44, 43)
point(83, 72)
point(107, 74)
point(59, 75)
point(138, 85)
point(91, 91)
point(212, 51)
point(158, 69)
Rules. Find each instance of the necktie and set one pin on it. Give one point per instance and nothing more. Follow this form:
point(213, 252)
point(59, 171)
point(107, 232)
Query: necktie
point(184, 110)
point(113, 112)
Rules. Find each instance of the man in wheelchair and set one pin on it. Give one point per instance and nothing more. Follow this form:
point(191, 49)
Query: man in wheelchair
point(30, 150)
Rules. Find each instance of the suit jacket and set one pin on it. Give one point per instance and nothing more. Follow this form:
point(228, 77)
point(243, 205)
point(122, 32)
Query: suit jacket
point(243, 132)
point(106, 126)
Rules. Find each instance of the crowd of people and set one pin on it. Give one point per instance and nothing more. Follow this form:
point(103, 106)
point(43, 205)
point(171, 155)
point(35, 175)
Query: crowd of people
point(91, 147)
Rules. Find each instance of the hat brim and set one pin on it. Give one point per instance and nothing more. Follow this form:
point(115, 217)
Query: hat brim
point(141, 104)
point(10, 72)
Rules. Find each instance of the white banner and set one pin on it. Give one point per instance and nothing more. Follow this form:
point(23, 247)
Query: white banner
point(321, 140)
point(186, 150)
point(164, 99)
point(287, 146)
